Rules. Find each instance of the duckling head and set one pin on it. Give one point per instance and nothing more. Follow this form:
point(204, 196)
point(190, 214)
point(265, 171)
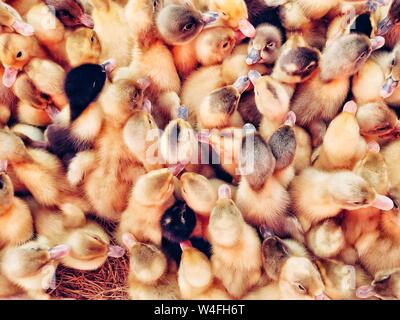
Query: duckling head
point(15, 52)
point(297, 61)
point(300, 279)
point(213, 45)
point(393, 80)
point(390, 20)
point(198, 192)
point(218, 107)
point(257, 162)
point(346, 55)
point(32, 258)
point(178, 222)
point(386, 285)
point(71, 13)
point(178, 143)
point(122, 98)
point(226, 221)
point(11, 19)
point(155, 187)
point(89, 248)
point(6, 192)
point(376, 119)
point(83, 46)
point(274, 253)
point(265, 46)
point(352, 192)
point(147, 262)
point(194, 270)
point(12, 148)
point(179, 24)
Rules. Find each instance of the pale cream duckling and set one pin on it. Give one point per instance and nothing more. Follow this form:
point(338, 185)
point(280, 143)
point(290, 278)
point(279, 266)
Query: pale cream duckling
point(236, 248)
point(89, 243)
point(318, 195)
point(385, 286)
point(32, 266)
point(15, 217)
point(111, 163)
point(342, 146)
point(82, 46)
point(293, 274)
point(149, 275)
point(151, 196)
point(196, 279)
point(330, 85)
point(379, 78)
point(37, 171)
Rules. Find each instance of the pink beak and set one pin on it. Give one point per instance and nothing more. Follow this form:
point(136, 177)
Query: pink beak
point(9, 77)
point(247, 28)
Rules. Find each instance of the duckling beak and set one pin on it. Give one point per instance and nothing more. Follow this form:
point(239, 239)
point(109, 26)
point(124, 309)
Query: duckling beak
point(242, 84)
point(23, 28)
point(115, 251)
point(247, 28)
point(383, 203)
point(254, 75)
point(59, 252)
point(109, 65)
point(147, 106)
point(374, 147)
point(3, 165)
point(224, 192)
point(177, 169)
point(389, 87)
point(253, 57)
point(322, 296)
point(86, 20)
point(365, 292)
point(291, 119)
point(210, 17)
point(186, 244)
point(384, 26)
point(10, 76)
point(377, 43)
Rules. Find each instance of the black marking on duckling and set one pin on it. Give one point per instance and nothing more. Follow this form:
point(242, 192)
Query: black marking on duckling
point(305, 59)
point(283, 146)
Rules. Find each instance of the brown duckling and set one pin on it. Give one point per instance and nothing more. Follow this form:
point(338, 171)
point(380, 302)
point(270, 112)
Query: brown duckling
point(385, 286)
point(389, 25)
point(71, 13)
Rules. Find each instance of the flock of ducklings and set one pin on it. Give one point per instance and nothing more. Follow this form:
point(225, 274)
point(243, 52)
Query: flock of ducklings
point(313, 86)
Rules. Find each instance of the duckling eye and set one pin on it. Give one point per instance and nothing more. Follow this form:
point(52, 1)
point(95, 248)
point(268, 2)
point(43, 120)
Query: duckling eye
point(363, 55)
point(393, 62)
point(271, 45)
point(383, 279)
point(135, 95)
point(301, 288)
point(225, 45)
point(188, 27)
point(358, 203)
point(92, 39)
point(224, 14)
point(19, 54)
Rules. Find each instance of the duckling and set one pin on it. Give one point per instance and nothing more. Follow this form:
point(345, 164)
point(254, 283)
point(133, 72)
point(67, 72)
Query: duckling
point(151, 196)
point(379, 78)
point(12, 20)
point(71, 13)
point(38, 172)
point(259, 189)
point(341, 280)
point(32, 266)
point(89, 243)
point(389, 26)
point(82, 46)
point(8, 101)
point(236, 248)
point(332, 79)
point(342, 145)
point(149, 274)
point(294, 275)
point(209, 48)
point(110, 162)
point(15, 216)
point(376, 121)
point(390, 152)
point(385, 286)
point(318, 195)
point(196, 279)
point(219, 108)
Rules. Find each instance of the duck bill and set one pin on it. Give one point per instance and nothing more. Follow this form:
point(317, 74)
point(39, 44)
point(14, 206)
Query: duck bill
point(389, 87)
point(186, 244)
point(115, 251)
point(384, 26)
point(242, 84)
point(59, 252)
point(365, 292)
point(254, 75)
point(109, 65)
point(87, 21)
point(247, 28)
point(253, 57)
point(177, 169)
point(9, 77)
point(377, 43)
point(210, 17)
point(3, 165)
point(383, 203)
point(224, 192)
point(23, 28)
